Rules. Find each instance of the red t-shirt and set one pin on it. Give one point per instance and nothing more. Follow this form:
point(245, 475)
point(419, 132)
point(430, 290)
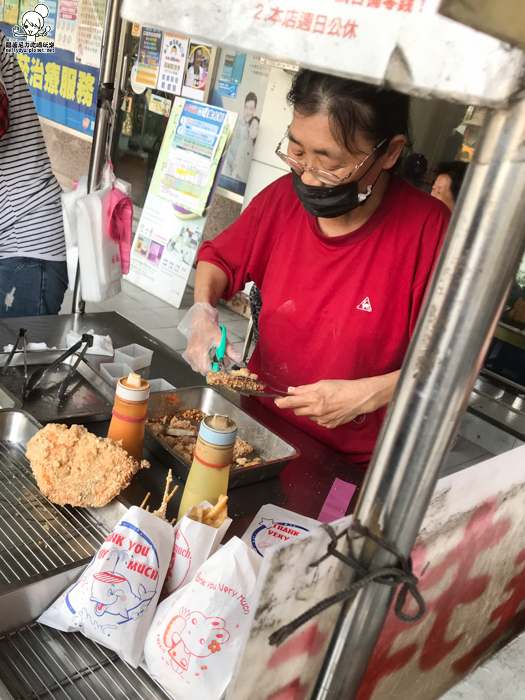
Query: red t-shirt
point(332, 308)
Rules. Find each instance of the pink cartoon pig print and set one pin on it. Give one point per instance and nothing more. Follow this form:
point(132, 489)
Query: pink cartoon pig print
point(193, 634)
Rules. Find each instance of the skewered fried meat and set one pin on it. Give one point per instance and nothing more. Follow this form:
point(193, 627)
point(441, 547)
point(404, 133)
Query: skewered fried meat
point(235, 380)
point(74, 467)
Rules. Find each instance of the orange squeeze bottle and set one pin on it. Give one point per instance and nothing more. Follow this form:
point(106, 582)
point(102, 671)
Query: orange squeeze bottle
point(129, 414)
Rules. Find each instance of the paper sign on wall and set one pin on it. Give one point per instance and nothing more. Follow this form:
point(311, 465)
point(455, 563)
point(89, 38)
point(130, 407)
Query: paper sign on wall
point(149, 57)
point(67, 22)
point(90, 26)
point(173, 61)
point(193, 155)
point(167, 239)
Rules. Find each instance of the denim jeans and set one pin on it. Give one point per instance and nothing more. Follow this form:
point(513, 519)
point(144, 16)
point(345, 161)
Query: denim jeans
point(31, 287)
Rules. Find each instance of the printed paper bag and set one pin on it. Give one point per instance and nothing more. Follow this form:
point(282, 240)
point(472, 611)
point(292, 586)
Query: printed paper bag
point(114, 600)
point(194, 543)
point(273, 525)
point(195, 639)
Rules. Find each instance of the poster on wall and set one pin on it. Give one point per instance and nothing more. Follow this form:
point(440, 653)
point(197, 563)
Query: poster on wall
point(164, 250)
point(148, 63)
point(10, 13)
point(62, 91)
point(167, 239)
point(66, 26)
point(173, 61)
point(194, 139)
point(246, 98)
point(90, 26)
point(197, 70)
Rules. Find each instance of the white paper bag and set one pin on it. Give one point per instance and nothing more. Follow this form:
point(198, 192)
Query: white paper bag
point(195, 638)
point(273, 525)
point(194, 543)
point(113, 602)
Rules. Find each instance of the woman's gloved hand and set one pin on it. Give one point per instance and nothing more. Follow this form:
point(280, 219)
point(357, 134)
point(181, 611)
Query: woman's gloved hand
point(201, 328)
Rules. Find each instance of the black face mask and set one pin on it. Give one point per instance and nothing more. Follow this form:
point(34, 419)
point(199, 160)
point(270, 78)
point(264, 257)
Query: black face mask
point(330, 202)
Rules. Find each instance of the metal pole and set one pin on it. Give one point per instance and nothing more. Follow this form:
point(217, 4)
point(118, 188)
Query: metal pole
point(108, 64)
point(482, 251)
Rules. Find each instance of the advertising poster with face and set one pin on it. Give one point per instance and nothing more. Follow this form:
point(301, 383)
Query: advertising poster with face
point(197, 69)
point(246, 98)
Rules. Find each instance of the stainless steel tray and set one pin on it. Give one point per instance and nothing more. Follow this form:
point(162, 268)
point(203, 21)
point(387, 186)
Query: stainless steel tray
point(273, 450)
point(40, 662)
point(7, 400)
point(89, 398)
point(36, 536)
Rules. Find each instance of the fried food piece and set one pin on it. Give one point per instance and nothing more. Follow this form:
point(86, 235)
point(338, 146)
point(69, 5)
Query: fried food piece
point(161, 511)
point(244, 372)
point(157, 428)
point(193, 414)
point(176, 422)
point(213, 517)
point(253, 462)
point(74, 467)
point(241, 448)
point(233, 380)
point(196, 514)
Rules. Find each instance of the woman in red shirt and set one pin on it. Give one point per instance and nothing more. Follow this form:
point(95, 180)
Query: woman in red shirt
point(342, 251)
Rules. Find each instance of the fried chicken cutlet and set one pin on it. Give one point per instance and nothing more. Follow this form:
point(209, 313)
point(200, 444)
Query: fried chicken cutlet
point(73, 466)
point(240, 379)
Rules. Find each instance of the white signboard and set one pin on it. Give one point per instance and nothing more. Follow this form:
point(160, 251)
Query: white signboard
point(164, 250)
point(403, 41)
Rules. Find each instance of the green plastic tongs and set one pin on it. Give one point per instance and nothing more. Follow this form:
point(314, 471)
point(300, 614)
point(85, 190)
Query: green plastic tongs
point(220, 352)
point(218, 366)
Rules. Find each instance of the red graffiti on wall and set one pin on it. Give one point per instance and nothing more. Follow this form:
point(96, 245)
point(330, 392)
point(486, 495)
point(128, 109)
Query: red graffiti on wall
point(508, 617)
point(482, 533)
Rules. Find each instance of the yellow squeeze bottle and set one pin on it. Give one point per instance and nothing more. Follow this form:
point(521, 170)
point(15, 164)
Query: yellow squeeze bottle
point(210, 470)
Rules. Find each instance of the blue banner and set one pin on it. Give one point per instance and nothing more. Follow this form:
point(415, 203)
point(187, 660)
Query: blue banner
point(63, 91)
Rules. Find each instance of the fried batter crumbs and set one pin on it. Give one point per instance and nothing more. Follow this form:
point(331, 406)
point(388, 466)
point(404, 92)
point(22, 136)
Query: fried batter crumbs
point(73, 466)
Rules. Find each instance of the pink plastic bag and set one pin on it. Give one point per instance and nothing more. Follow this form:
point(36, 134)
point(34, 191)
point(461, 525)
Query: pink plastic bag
point(120, 225)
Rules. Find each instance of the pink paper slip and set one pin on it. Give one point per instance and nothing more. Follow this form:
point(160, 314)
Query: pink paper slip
point(337, 501)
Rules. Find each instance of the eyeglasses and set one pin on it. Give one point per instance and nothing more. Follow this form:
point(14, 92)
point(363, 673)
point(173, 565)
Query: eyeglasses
point(324, 176)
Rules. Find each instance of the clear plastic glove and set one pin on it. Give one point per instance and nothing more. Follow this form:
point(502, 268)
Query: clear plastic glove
point(201, 328)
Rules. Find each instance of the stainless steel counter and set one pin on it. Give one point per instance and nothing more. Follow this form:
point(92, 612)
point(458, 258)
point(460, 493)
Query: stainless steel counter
point(303, 485)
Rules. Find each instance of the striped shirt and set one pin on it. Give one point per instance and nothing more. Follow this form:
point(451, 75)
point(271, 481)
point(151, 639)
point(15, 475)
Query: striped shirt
point(31, 223)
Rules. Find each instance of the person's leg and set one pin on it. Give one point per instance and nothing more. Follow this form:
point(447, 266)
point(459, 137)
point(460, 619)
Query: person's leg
point(54, 286)
point(20, 287)
point(31, 287)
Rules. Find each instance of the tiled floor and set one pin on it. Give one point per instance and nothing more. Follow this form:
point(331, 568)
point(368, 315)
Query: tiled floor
point(159, 318)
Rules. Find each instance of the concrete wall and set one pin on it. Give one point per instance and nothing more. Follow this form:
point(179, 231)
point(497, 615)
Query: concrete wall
point(69, 154)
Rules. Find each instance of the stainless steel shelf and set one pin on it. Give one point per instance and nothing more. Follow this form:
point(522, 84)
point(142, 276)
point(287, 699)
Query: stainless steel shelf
point(40, 662)
point(36, 536)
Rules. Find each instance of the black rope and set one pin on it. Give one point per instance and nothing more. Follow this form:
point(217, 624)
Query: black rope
point(392, 576)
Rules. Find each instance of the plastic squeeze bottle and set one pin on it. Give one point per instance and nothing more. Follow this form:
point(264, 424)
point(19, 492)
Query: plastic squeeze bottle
point(210, 470)
point(129, 414)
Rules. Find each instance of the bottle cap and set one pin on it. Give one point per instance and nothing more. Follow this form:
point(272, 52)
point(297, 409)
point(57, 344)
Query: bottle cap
point(218, 430)
point(133, 388)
